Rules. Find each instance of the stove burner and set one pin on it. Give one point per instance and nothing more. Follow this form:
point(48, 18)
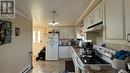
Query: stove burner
point(87, 56)
point(93, 60)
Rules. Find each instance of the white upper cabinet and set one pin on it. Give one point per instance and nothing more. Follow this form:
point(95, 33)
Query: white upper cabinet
point(95, 16)
point(114, 19)
point(89, 19)
point(97, 13)
point(127, 14)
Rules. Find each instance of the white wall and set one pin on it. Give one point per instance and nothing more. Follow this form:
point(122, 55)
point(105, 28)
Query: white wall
point(14, 57)
point(65, 31)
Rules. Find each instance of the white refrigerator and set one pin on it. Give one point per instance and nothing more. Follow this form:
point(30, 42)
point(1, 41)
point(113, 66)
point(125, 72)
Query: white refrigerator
point(52, 42)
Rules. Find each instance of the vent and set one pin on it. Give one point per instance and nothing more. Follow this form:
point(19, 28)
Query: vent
point(25, 70)
point(98, 26)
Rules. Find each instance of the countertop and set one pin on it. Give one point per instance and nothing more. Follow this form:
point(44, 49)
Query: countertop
point(64, 45)
point(76, 49)
point(104, 69)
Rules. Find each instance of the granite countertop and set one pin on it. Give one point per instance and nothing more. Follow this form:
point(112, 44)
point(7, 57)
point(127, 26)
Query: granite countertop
point(77, 49)
point(104, 69)
point(64, 45)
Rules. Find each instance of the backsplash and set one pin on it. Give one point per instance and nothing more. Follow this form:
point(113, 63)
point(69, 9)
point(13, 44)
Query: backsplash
point(117, 47)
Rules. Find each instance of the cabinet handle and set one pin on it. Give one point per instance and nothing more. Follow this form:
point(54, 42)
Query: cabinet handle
point(127, 37)
point(30, 53)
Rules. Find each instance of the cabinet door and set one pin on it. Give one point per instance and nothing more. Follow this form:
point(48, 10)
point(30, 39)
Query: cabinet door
point(89, 19)
point(114, 19)
point(70, 52)
point(97, 12)
point(63, 52)
point(127, 6)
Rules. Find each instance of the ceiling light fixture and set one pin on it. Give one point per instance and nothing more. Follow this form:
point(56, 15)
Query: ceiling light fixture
point(54, 19)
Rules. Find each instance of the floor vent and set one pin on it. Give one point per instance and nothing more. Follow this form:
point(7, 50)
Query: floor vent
point(26, 69)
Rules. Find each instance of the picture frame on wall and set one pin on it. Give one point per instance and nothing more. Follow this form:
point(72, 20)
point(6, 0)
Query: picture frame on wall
point(7, 40)
point(17, 31)
point(1, 33)
point(8, 32)
point(8, 25)
point(5, 32)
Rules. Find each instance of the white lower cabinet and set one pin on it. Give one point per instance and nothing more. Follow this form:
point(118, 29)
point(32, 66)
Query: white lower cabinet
point(70, 49)
point(63, 52)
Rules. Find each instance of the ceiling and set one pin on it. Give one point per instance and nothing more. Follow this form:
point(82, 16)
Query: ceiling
point(67, 11)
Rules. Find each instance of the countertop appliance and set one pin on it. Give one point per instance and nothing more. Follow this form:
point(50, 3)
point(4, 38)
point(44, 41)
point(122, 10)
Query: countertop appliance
point(102, 57)
point(88, 48)
point(52, 42)
point(76, 42)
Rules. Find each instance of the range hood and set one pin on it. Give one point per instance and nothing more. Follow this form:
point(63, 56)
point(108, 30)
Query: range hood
point(95, 27)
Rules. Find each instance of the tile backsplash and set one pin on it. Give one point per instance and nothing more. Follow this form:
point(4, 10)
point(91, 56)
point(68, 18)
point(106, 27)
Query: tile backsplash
point(117, 47)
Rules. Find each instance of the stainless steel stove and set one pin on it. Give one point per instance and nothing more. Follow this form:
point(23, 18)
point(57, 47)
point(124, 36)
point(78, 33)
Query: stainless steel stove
point(102, 57)
point(93, 60)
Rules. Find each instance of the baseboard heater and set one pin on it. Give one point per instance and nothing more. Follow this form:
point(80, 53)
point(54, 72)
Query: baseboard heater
point(25, 70)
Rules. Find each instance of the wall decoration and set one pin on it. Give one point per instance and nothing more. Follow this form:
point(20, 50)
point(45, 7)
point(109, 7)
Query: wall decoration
point(8, 25)
point(7, 40)
point(8, 32)
point(5, 32)
point(17, 31)
point(1, 32)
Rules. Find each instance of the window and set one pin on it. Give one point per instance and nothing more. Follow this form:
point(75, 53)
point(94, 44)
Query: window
point(34, 36)
point(39, 37)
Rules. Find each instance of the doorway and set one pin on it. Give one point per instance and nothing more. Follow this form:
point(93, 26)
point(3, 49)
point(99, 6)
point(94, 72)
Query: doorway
point(38, 42)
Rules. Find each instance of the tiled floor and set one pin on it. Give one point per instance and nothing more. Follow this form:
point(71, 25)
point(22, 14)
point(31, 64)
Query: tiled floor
point(49, 67)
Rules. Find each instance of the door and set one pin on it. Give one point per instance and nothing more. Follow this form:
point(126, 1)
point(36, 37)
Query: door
point(127, 6)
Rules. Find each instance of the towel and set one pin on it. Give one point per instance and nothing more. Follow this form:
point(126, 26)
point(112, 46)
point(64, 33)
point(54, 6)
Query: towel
point(122, 54)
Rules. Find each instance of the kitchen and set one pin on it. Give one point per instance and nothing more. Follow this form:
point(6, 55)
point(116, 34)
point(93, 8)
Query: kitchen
point(106, 25)
point(86, 36)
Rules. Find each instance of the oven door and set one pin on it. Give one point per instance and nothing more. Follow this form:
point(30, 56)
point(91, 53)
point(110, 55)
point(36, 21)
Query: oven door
point(79, 68)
